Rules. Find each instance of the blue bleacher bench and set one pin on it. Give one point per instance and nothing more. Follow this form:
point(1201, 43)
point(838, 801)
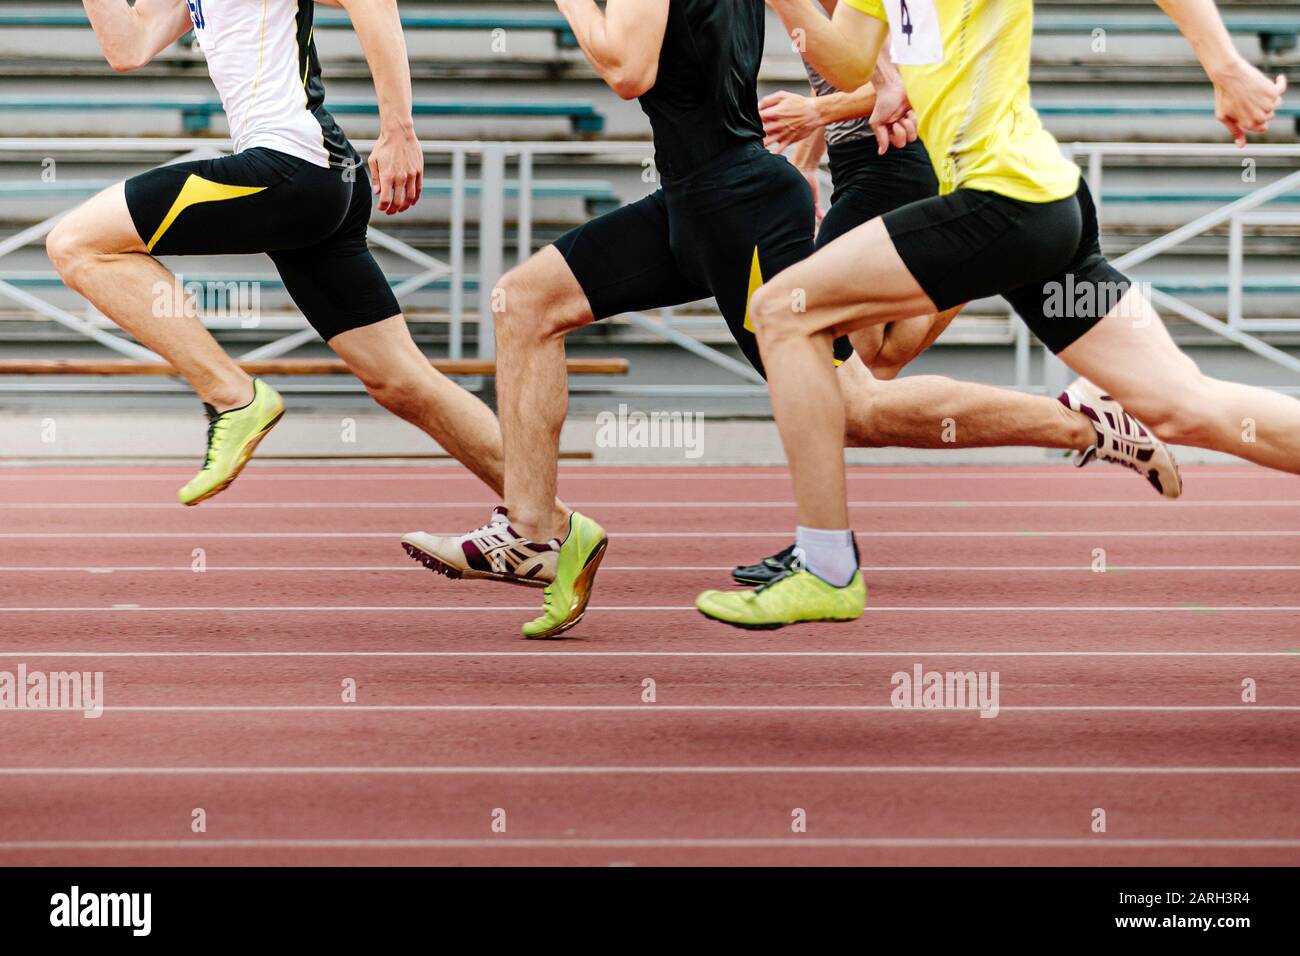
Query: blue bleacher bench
point(1277, 34)
point(1149, 108)
point(197, 113)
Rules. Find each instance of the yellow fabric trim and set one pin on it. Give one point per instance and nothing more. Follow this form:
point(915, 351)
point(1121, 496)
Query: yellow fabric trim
point(755, 283)
point(257, 77)
point(197, 190)
point(872, 8)
point(306, 65)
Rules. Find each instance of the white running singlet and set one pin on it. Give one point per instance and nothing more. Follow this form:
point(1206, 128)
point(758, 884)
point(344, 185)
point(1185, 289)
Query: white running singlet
point(263, 63)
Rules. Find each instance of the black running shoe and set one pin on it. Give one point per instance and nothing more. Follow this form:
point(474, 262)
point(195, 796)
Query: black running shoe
point(767, 570)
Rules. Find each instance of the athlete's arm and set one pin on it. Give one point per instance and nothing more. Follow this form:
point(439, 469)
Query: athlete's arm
point(788, 117)
point(396, 162)
point(623, 43)
point(1245, 100)
point(842, 49)
point(791, 118)
point(131, 36)
point(892, 119)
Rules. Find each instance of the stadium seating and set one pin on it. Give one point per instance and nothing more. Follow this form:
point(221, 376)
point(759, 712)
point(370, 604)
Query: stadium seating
point(196, 114)
point(1141, 84)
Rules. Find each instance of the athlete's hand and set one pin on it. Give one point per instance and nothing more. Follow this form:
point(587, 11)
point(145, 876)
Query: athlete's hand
point(1245, 100)
point(397, 170)
point(787, 119)
point(892, 120)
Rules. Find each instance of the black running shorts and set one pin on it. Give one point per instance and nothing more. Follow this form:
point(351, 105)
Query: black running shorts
point(1040, 257)
point(722, 231)
point(868, 185)
point(311, 220)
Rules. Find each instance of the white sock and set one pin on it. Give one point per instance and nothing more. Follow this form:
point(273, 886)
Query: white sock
point(828, 554)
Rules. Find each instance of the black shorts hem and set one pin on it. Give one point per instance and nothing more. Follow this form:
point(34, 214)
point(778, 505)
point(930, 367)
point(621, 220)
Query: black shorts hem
point(311, 220)
point(1045, 259)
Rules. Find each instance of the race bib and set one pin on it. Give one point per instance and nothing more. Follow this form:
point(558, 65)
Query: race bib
point(200, 21)
point(914, 37)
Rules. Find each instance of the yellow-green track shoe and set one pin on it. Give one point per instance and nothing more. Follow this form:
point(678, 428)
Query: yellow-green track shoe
point(233, 436)
point(796, 597)
point(575, 573)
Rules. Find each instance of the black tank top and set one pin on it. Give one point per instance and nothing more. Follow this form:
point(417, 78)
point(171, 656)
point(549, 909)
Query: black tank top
point(705, 99)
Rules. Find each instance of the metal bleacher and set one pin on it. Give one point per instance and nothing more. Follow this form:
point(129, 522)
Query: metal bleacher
point(491, 72)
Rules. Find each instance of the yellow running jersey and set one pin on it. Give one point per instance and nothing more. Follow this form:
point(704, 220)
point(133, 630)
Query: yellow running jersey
point(965, 64)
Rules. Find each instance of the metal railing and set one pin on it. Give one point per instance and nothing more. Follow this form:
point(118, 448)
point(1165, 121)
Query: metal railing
point(494, 159)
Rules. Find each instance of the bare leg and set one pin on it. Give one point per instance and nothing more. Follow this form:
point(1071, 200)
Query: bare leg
point(930, 411)
point(796, 347)
point(399, 377)
point(99, 254)
point(541, 302)
point(1131, 355)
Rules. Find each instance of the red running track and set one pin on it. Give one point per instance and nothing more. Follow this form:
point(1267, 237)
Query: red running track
point(226, 634)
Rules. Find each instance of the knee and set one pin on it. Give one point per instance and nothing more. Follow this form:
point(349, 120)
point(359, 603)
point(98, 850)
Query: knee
point(402, 394)
point(774, 316)
point(1181, 413)
point(526, 305)
point(68, 249)
point(892, 358)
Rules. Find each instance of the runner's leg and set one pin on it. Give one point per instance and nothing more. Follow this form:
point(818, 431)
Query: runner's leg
point(1131, 355)
point(541, 303)
point(620, 262)
point(98, 253)
point(806, 398)
point(932, 411)
point(399, 377)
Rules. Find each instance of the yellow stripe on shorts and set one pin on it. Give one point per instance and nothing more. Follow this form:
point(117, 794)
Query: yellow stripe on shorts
point(197, 190)
point(755, 283)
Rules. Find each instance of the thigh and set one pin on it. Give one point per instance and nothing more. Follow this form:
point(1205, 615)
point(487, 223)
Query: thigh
point(105, 221)
point(381, 352)
point(336, 283)
point(624, 261)
point(1061, 309)
point(255, 201)
point(856, 281)
point(1130, 354)
point(970, 244)
point(746, 232)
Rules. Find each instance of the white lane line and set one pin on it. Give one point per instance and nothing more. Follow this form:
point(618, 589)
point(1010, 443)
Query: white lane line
point(785, 533)
point(472, 654)
point(647, 609)
point(644, 708)
point(714, 843)
point(641, 568)
point(679, 770)
point(639, 505)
